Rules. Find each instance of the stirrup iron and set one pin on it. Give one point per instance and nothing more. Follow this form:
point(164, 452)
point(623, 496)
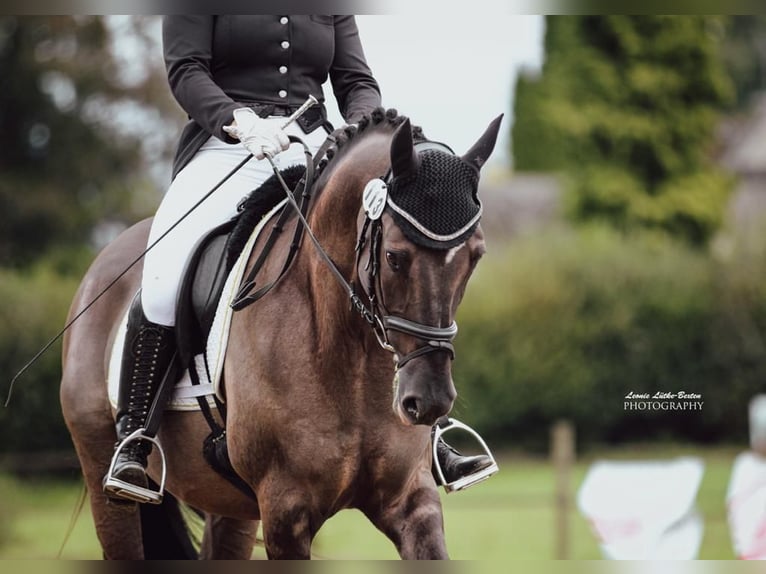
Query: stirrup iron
point(471, 479)
point(129, 491)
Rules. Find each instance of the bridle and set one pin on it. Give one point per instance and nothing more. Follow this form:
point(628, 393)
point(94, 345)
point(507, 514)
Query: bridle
point(436, 338)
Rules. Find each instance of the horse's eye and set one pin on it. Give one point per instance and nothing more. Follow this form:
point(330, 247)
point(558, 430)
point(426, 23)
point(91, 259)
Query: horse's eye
point(394, 260)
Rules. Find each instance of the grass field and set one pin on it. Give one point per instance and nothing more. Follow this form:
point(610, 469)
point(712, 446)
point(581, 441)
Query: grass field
point(509, 517)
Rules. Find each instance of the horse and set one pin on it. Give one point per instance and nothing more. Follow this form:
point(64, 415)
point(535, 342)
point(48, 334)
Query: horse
point(320, 415)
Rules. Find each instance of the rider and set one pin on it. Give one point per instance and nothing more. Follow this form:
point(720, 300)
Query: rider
point(237, 77)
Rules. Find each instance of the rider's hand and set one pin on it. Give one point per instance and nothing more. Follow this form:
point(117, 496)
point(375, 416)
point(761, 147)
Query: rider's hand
point(257, 135)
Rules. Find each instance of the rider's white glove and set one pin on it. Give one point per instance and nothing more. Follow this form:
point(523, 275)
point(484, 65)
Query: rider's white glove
point(257, 135)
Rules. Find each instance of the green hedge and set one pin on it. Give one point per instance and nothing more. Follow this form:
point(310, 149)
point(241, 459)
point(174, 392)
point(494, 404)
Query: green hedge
point(567, 322)
point(33, 308)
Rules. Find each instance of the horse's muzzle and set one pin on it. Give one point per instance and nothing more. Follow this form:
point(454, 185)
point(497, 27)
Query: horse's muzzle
point(423, 399)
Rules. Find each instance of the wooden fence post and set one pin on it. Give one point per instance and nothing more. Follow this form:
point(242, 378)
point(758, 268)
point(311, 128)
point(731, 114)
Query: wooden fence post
point(563, 456)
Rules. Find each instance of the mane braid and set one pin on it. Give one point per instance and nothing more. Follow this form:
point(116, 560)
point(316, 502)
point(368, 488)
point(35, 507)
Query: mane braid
point(378, 118)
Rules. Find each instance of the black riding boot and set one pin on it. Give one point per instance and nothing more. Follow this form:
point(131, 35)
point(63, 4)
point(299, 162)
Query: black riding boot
point(147, 361)
point(455, 466)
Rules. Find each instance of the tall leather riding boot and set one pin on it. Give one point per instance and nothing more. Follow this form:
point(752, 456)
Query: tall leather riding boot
point(455, 465)
point(147, 361)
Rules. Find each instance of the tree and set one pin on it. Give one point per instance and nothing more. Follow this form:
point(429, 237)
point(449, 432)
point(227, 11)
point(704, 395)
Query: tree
point(86, 119)
point(626, 107)
point(70, 161)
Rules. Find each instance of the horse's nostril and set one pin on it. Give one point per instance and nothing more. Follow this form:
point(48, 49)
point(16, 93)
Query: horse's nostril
point(410, 406)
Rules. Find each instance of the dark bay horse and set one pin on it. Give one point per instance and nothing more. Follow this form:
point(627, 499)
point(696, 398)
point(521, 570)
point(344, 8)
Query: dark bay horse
point(319, 418)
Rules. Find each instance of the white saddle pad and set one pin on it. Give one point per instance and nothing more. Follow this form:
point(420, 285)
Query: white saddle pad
point(185, 395)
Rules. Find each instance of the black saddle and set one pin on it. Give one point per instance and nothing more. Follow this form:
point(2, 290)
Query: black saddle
point(201, 288)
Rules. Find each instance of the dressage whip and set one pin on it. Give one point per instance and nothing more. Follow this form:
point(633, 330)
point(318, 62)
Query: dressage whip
point(310, 101)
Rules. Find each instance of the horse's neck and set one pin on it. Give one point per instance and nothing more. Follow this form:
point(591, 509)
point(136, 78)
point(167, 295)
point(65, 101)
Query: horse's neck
point(334, 221)
point(337, 206)
point(334, 217)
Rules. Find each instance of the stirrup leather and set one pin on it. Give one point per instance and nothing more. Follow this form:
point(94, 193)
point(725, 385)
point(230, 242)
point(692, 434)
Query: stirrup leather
point(129, 491)
point(468, 480)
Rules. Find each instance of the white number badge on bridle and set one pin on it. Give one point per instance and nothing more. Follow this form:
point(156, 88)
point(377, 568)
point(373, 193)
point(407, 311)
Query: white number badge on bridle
point(374, 198)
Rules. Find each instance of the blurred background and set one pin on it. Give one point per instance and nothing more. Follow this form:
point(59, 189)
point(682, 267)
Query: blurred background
point(624, 214)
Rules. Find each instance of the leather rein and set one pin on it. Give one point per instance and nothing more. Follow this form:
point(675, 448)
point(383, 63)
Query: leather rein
point(374, 313)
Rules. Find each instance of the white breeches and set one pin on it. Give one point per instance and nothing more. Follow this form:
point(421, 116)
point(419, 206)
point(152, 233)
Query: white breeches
point(166, 261)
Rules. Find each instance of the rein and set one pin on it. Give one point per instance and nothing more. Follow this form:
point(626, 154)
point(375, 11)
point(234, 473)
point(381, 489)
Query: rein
point(245, 296)
point(436, 338)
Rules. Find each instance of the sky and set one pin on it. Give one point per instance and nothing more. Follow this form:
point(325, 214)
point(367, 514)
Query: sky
point(451, 73)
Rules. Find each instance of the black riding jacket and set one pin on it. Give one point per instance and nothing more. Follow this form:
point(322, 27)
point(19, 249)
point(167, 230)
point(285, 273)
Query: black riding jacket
point(216, 64)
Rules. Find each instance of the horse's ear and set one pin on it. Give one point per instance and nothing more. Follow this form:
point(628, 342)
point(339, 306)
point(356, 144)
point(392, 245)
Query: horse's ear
point(481, 150)
point(404, 160)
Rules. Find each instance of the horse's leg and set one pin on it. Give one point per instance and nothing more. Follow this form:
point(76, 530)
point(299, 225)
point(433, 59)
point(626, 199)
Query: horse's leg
point(228, 538)
point(289, 525)
point(118, 526)
point(84, 400)
point(414, 522)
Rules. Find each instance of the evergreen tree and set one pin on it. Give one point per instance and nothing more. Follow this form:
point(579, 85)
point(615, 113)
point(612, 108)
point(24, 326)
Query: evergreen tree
point(626, 107)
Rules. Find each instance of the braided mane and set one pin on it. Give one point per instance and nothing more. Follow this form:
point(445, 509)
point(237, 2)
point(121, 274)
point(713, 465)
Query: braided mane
point(378, 118)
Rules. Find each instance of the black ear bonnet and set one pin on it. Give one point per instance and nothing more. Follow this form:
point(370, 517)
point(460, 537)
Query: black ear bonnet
point(436, 205)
